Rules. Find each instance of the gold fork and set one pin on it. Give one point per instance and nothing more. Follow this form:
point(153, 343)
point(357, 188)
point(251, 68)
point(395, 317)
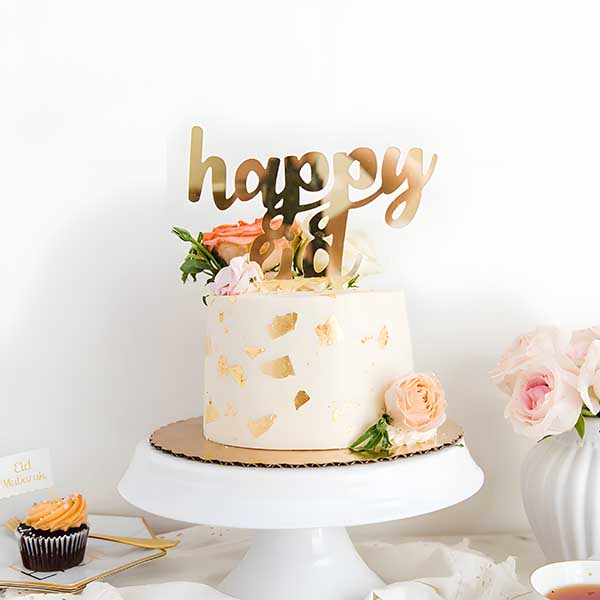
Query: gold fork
point(152, 543)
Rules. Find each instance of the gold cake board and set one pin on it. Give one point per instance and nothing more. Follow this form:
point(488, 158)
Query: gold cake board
point(186, 439)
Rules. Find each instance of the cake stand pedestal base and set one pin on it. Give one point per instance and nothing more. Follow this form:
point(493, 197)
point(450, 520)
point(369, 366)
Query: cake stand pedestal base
point(305, 563)
point(301, 550)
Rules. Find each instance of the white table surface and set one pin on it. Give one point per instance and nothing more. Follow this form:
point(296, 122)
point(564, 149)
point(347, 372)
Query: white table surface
point(214, 551)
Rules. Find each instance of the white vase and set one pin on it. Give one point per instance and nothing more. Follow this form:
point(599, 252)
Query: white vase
point(560, 483)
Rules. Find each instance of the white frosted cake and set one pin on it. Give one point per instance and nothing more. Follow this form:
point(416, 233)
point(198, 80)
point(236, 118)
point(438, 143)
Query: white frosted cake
point(297, 357)
point(301, 370)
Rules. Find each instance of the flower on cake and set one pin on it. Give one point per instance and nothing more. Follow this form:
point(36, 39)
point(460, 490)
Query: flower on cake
point(417, 405)
point(359, 256)
point(215, 250)
point(552, 380)
point(240, 276)
point(229, 241)
point(358, 247)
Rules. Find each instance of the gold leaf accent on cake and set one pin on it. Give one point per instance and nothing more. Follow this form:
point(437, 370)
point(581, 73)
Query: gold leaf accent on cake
point(278, 368)
point(211, 414)
point(208, 345)
point(253, 351)
point(328, 332)
point(230, 410)
point(368, 338)
point(262, 425)
point(221, 316)
point(282, 324)
point(238, 374)
point(226, 329)
point(301, 399)
point(384, 337)
point(222, 367)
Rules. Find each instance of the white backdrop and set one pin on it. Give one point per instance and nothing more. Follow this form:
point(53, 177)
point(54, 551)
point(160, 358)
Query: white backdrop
point(101, 341)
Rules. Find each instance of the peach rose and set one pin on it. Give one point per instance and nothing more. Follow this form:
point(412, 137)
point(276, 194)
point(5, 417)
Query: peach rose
point(229, 241)
point(416, 403)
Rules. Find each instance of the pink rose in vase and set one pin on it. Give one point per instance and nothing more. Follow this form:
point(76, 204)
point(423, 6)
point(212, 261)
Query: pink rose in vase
point(524, 352)
point(580, 344)
point(544, 402)
point(541, 379)
point(588, 382)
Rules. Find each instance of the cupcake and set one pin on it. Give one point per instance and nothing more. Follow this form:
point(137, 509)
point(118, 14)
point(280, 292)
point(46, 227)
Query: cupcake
point(54, 534)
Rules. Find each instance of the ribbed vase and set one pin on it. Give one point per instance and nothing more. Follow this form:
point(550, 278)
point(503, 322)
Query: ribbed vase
point(560, 483)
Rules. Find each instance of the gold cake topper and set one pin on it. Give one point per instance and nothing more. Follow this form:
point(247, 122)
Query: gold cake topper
point(327, 225)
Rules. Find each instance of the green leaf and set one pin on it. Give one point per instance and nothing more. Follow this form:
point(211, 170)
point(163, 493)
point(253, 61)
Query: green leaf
point(186, 236)
point(375, 441)
point(193, 265)
point(364, 437)
point(352, 282)
point(586, 412)
point(199, 259)
point(580, 426)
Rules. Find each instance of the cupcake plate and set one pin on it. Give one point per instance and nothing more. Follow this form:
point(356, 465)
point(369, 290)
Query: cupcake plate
point(101, 558)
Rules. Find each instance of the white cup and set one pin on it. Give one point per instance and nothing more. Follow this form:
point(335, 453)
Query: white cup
point(562, 574)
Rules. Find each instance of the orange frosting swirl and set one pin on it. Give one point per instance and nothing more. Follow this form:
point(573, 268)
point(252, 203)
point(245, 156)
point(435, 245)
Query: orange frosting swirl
point(58, 515)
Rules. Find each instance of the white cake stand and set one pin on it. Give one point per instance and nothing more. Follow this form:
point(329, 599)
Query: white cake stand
point(302, 550)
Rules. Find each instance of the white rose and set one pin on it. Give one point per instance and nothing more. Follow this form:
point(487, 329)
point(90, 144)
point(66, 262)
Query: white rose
point(356, 245)
point(588, 383)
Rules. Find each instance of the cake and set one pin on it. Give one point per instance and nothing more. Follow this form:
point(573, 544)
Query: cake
point(306, 363)
point(301, 370)
point(297, 355)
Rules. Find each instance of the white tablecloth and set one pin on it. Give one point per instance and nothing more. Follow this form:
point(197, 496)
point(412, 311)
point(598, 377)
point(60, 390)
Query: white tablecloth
point(481, 568)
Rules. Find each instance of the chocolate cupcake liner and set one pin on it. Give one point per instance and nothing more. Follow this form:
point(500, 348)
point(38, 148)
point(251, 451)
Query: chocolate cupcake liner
point(52, 551)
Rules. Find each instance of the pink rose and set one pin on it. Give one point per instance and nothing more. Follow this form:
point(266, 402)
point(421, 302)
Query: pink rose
point(588, 382)
point(240, 276)
point(580, 343)
point(525, 351)
point(416, 403)
point(544, 400)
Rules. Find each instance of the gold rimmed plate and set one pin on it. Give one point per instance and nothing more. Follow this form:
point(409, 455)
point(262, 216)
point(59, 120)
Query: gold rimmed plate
point(102, 558)
point(186, 439)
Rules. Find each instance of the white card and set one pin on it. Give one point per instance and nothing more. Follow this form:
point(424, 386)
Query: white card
point(25, 472)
